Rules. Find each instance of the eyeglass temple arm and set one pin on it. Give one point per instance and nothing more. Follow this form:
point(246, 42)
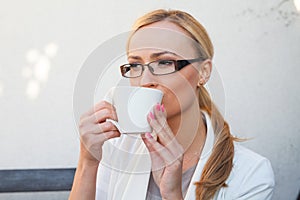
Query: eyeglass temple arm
point(183, 63)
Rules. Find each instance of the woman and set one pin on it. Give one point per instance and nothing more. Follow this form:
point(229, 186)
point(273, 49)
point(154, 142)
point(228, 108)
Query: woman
point(192, 153)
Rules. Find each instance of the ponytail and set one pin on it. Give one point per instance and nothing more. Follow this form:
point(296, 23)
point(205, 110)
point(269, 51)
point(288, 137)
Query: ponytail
point(219, 165)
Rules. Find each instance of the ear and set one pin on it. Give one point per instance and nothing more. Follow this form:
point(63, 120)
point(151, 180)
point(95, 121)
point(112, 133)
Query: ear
point(205, 71)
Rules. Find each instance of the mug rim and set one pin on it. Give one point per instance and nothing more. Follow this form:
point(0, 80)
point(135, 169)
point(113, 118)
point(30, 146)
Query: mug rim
point(138, 87)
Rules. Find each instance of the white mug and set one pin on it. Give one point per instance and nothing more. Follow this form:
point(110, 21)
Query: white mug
point(133, 104)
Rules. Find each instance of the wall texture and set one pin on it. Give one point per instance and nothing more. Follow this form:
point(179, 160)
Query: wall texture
point(44, 44)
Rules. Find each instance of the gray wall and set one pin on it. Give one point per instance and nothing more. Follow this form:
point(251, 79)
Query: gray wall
point(44, 44)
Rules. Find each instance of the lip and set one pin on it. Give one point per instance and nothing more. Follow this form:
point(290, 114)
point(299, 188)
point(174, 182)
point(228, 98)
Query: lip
point(151, 88)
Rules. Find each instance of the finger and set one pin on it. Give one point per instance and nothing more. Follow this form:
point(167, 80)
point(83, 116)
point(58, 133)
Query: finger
point(160, 127)
point(103, 127)
point(97, 129)
point(109, 135)
point(158, 149)
point(161, 117)
point(98, 106)
point(160, 114)
point(165, 135)
point(100, 138)
point(102, 115)
point(93, 142)
point(148, 143)
point(157, 162)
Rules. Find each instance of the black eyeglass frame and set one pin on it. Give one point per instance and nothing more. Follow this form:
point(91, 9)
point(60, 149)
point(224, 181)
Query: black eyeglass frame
point(179, 64)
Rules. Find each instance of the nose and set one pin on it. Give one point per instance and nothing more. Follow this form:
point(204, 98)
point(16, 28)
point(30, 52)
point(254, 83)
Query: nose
point(148, 79)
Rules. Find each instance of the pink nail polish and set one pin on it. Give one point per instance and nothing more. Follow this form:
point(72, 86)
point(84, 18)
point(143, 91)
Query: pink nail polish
point(162, 108)
point(157, 107)
point(151, 115)
point(148, 135)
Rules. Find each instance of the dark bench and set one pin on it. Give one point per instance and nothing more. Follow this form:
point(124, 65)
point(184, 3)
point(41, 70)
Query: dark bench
point(34, 180)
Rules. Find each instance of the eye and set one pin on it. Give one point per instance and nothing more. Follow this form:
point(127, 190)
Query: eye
point(165, 63)
point(135, 66)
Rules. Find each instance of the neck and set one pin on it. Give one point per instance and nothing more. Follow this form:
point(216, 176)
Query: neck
point(190, 132)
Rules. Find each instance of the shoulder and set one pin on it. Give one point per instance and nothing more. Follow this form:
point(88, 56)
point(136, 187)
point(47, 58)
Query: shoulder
point(251, 176)
point(246, 158)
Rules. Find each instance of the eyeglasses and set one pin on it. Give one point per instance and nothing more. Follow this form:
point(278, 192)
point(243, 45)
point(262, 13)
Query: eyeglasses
point(158, 67)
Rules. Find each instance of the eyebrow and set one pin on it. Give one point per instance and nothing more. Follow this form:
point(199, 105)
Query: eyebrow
point(154, 55)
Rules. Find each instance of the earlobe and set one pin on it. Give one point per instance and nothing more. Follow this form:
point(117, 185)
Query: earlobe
point(205, 72)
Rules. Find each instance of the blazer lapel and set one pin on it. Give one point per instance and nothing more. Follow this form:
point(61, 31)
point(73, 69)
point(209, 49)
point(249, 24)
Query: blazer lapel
point(206, 152)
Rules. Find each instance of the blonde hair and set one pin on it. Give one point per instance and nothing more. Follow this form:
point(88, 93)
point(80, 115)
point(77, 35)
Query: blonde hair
point(219, 165)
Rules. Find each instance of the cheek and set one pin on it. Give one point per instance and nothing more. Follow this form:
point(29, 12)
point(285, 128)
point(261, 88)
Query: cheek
point(134, 81)
point(171, 102)
point(191, 74)
point(180, 94)
point(179, 89)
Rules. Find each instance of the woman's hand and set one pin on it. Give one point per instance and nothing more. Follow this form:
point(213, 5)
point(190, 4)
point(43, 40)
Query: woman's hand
point(94, 131)
point(166, 155)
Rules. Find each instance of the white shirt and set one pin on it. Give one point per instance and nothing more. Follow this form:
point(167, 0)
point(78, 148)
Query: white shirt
point(125, 168)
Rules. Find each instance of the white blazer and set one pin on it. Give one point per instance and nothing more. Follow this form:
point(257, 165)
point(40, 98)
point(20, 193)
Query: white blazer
point(124, 171)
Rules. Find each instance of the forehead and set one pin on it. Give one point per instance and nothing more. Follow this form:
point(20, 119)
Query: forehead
point(162, 36)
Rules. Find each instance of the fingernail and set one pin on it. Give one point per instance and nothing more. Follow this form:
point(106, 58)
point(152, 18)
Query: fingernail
point(157, 107)
point(148, 135)
point(162, 108)
point(151, 115)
